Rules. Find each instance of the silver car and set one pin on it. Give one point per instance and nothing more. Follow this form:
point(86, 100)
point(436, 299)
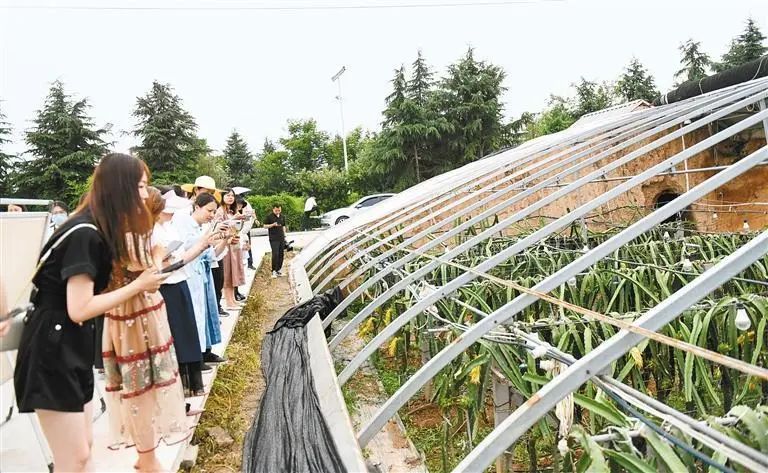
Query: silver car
point(335, 217)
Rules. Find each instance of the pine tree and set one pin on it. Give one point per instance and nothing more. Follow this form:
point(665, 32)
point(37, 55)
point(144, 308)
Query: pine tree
point(395, 100)
point(419, 87)
point(636, 83)
point(239, 160)
point(471, 102)
point(169, 145)
point(6, 160)
point(591, 97)
point(695, 62)
point(746, 47)
point(65, 149)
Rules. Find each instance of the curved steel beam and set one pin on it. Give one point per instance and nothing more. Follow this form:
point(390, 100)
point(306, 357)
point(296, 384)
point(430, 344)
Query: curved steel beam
point(532, 208)
point(521, 245)
point(614, 149)
point(560, 277)
point(589, 147)
point(603, 355)
point(625, 126)
point(403, 214)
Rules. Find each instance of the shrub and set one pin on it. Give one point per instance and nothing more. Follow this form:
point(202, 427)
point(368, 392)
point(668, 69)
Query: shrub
point(293, 208)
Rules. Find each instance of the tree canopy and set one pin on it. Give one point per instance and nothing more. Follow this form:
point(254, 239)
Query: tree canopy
point(636, 83)
point(745, 47)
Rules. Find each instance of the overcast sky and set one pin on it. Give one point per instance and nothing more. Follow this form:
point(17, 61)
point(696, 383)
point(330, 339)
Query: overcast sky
point(255, 69)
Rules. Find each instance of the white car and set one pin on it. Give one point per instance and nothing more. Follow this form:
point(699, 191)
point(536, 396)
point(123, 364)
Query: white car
point(335, 217)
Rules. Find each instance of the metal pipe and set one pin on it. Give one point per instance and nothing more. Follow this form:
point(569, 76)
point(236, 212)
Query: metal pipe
point(533, 238)
point(560, 277)
point(598, 359)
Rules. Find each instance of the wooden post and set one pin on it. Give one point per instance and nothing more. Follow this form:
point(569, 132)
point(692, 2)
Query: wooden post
point(505, 401)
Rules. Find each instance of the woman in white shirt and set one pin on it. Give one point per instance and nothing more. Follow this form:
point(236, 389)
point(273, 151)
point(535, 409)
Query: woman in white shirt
point(178, 299)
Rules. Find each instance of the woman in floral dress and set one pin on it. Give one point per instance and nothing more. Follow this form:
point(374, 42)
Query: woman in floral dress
point(144, 392)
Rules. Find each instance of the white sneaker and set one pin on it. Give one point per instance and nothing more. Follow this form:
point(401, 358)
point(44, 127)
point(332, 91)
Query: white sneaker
point(274, 274)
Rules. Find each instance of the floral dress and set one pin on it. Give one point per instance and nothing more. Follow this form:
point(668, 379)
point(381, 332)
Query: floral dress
point(144, 398)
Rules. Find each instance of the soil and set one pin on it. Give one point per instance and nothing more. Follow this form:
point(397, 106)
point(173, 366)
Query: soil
point(236, 396)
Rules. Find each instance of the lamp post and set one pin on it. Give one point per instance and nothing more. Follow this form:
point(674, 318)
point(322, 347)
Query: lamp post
point(337, 78)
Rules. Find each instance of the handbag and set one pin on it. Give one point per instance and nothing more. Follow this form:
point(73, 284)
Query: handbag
point(12, 339)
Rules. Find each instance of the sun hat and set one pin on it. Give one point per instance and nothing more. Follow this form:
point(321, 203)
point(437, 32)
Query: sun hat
point(206, 182)
point(174, 203)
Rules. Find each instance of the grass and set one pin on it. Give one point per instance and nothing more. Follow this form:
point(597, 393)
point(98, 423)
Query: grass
point(234, 382)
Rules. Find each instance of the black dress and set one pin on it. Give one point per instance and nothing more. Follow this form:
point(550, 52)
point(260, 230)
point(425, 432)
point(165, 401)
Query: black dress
point(54, 364)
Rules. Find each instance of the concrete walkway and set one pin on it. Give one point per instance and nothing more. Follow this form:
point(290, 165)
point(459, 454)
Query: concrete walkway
point(20, 449)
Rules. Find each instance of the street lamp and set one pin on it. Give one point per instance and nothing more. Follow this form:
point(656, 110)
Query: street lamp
point(337, 78)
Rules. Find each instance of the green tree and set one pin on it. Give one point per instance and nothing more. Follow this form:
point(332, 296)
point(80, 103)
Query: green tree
point(307, 146)
point(591, 97)
point(6, 160)
point(471, 102)
point(64, 146)
point(746, 47)
point(169, 145)
point(695, 62)
point(557, 117)
point(329, 186)
point(520, 130)
point(636, 83)
point(270, 171)
point(208, 164)
point(356, 139)
point(239, 159)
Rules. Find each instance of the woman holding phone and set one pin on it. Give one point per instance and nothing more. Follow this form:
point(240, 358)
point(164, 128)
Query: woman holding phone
point(54, 364)
point(234, 269)
point(145, 398)
point(190, 228)
point(175, 290)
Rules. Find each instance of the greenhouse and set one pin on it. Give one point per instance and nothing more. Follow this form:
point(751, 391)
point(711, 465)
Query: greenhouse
point(593, 300)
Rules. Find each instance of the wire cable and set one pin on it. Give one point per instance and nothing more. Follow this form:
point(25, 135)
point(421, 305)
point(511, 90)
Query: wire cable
point(281, 8)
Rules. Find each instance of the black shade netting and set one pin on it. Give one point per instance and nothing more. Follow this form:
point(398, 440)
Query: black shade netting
point(290, 433)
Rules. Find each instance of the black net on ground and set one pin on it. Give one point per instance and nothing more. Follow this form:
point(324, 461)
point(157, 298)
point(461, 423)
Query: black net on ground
point(290, 433)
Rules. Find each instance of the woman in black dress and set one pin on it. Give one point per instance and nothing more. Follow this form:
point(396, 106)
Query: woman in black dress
point(54, 365)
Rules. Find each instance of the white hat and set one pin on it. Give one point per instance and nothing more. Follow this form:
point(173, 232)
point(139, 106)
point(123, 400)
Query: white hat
point(174, 203)
point(206, 182)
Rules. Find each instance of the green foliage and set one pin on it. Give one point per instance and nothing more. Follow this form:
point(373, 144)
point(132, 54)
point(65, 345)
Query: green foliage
point(292, 207)
point(470, 99)
point(207, 164)
point(636, 83)
point(591, 97)
point(65, 148)
point(745, 47)
point(329, 186)
point(270, 174)
point(695, 62)
point(169, 145)
point(557, 117)
point(238, 159)
point(307, 146)
point(6, 160)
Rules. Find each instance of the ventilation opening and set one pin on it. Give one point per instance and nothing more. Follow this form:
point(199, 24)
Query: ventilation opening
point(663, 199)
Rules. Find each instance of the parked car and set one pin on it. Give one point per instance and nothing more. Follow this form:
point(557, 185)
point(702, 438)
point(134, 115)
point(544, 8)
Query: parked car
point(335, 217)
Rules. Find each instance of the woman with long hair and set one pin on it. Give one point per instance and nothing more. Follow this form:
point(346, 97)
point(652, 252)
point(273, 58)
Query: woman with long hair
point(144, 393)
point(54, 364)
point(234, 269)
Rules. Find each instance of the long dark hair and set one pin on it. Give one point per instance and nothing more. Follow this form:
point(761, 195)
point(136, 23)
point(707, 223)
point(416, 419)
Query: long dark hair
point(116, 206)
point(229, 209)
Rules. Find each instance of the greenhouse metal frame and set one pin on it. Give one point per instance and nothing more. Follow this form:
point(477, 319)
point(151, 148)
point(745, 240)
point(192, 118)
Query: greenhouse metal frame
point(374, 253)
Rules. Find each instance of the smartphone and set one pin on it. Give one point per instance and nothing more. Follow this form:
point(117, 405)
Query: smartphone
point(17, 311)
point(172, 246)
point(173, 267)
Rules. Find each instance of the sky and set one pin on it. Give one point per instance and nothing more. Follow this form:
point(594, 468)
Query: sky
point(245, 65)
